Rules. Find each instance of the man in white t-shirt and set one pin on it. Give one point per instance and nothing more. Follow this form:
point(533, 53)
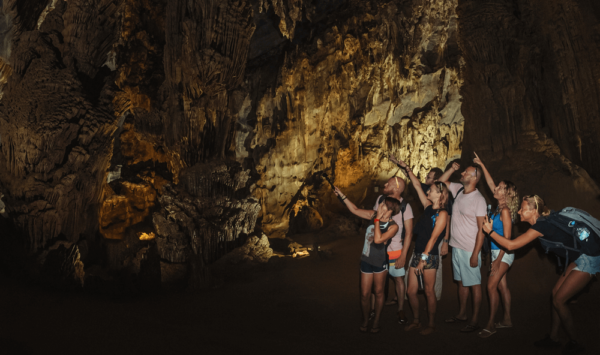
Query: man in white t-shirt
point(394, 188)
point(468, 214)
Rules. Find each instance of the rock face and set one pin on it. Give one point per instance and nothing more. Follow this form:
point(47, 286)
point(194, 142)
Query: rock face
point(203, 217)
point(531, 93)
point(201, 120)
point(381, 78)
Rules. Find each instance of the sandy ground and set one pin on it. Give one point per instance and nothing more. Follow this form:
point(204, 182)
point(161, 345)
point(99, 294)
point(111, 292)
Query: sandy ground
point(289, 306)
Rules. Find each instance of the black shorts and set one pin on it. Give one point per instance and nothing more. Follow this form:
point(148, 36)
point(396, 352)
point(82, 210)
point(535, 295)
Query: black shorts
point(367, 268)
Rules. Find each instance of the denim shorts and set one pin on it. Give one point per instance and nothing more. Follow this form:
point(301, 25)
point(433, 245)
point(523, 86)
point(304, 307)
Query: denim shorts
point(589, 264)
point(433, 261)
point(367, 268)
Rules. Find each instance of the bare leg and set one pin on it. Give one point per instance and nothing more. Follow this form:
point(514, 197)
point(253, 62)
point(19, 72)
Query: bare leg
point(400, 292)
point(366, 282)
point(555, 317)
point(429, 278)
point(506, 300)
point(379, 280)
point(413, 299)
point(463, 296)
point(574, 282)
point(476, 290)
point(492, 288)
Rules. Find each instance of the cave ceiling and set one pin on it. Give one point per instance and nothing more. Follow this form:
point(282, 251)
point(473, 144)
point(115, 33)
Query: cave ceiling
point(203, 121)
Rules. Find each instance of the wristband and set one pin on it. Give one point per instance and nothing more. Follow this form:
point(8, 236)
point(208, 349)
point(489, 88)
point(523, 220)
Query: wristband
point(376, 220)
point(445, 241)
point(424, 257)
point(345, 197)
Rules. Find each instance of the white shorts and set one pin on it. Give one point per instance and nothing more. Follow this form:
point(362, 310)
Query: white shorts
point(508, 258)
point(461, 266)
point(396, 272)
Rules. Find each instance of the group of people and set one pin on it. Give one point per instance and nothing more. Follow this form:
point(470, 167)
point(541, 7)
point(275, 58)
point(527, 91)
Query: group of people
point(456, 215)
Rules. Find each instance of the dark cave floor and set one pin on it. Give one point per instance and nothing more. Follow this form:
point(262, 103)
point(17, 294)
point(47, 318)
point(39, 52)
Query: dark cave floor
point(288, 306)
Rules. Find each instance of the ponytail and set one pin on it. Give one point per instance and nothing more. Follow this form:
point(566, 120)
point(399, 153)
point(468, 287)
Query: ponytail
point(536, 202)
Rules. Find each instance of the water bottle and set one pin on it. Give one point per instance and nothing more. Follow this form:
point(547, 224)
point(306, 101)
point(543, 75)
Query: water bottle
point(582, 233)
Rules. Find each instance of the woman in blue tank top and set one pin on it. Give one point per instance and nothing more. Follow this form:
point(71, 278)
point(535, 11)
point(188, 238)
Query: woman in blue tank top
point(506, 212)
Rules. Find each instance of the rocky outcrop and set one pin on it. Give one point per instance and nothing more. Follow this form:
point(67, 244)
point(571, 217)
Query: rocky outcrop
point(254, 250)
point(531, 66)
point(56, 123)
point(201, 219)
point(379, 79)
point(201, 120)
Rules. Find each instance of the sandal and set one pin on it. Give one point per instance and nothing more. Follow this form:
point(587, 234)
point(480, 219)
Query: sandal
point(375, 330)
point(427, 331)
point(500, 325)
point(469, 328)
point(392, 302)
point(363, 329)
point(455, 320)
point(402, 317)
point(412, 326)
point(486, 333)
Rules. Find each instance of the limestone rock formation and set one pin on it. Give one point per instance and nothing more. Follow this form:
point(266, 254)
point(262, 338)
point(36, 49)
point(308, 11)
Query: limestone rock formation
point(254, 250)
point(205, 122)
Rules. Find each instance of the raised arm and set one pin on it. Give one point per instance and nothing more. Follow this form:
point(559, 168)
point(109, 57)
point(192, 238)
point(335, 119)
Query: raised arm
point(417, 184)
point(510, 244)
point(486, 173)
point(382, 238)
point(446, 176)
point(365, 214)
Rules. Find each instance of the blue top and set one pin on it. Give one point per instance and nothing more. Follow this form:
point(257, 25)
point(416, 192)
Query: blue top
point(497, 227)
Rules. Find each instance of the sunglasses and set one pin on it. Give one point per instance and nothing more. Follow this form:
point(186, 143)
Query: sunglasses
point(535, 198)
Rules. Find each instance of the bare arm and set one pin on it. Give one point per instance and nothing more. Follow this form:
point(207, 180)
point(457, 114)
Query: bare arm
point(381, 238)
point(408, 234)
point(365, 214)
point(511, 244)
point(440, 224)
point(414, 179)
point(444, 249)
point(506, 226)
point(478, 242)
point(488, 177)
point(446, 176)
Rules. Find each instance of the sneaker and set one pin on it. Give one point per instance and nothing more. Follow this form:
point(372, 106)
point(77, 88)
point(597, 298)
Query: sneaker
point(402, 317)
point(547, 343)
point(572, 348)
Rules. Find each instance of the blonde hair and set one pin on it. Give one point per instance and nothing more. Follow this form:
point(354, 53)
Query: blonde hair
point(443, 201)
point(536, 203)
point(512, 199)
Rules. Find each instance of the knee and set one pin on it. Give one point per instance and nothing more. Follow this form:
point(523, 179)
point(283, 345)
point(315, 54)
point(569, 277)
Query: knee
point(491, 288)
point(365, 297)
point(430, 293)
point(558, 301)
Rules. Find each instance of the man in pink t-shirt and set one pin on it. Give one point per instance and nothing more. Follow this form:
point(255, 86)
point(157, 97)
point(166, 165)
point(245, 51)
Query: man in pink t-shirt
point(468, 214)
point(394, 188)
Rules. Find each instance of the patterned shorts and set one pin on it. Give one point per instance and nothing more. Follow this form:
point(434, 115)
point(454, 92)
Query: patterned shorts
point(433, 261)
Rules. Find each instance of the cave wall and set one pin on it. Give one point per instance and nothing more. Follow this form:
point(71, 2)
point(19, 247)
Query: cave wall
point(171, 130)
point(531, 94)
point(379, 78)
